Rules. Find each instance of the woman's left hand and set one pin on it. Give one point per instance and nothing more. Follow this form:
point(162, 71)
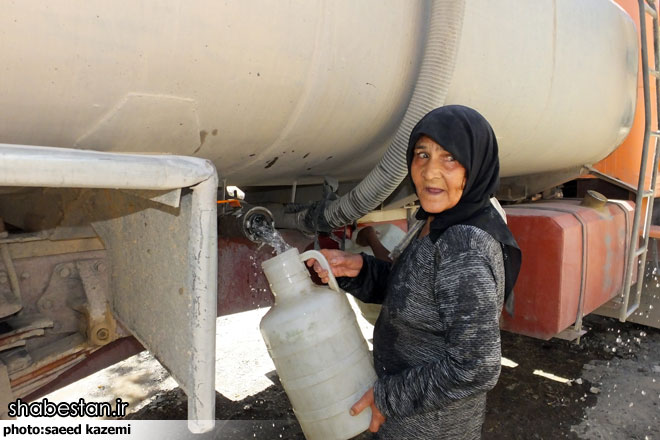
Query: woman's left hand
point(377, 418)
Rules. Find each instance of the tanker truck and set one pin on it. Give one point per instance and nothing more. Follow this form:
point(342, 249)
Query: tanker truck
point(124, 123)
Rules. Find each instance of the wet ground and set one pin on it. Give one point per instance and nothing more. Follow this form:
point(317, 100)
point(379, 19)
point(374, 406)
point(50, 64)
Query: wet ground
point(612, 392)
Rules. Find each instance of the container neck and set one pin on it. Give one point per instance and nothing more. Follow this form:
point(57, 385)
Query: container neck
point(290, 286)
point(287, 275)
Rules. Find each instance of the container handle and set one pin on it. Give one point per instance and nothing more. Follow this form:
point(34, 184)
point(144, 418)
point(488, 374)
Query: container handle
point(332, 283)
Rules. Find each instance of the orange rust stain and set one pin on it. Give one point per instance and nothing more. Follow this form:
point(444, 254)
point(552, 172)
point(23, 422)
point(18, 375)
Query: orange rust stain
point(46, 368)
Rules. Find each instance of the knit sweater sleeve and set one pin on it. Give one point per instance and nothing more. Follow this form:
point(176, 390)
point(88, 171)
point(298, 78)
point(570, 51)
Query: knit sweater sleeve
point(370, 284)
point(469, 308)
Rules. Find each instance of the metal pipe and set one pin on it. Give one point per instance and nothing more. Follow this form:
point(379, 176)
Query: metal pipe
point(283, 219)
point(293, 191)
point(203, 276)
point(594, 200)
point(24, 165)
point(249, 222)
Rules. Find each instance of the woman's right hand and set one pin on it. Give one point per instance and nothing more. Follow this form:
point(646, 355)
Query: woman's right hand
point(343, 264)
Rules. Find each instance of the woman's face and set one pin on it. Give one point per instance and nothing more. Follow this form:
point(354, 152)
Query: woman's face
point(439, 179)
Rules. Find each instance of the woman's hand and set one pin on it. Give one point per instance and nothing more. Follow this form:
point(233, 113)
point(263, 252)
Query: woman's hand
point(343, 264)
point(367, 237)
point(367, 400)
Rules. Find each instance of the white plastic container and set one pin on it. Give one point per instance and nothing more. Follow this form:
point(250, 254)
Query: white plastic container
point(322, 360)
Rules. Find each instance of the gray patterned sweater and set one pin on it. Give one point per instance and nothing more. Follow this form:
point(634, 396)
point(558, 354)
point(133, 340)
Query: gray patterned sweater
point(437, 339)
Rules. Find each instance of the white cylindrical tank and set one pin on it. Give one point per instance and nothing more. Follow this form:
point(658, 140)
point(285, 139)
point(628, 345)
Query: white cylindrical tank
point(267, 90)
point(274, 92)
point(556, 79)
point(318, 350)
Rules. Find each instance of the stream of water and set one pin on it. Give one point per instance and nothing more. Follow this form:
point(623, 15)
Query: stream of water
point(271, 237)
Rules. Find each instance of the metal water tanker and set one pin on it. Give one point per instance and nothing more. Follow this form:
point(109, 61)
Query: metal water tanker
point(274, 92)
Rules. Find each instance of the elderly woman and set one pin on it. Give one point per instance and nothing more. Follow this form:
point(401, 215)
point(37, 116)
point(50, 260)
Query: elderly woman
point(437, 338)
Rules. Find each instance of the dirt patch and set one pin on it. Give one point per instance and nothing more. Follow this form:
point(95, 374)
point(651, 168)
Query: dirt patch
point(608, 386)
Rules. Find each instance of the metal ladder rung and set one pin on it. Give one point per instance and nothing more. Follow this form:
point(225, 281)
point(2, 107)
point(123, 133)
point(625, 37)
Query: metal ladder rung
point(631, 309)
point(648, 193)
point(640, 251)
point(651, 11)
point(654, 73)
point(655, 133)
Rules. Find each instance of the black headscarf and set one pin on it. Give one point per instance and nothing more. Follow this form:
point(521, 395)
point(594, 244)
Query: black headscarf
point(468, 136)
